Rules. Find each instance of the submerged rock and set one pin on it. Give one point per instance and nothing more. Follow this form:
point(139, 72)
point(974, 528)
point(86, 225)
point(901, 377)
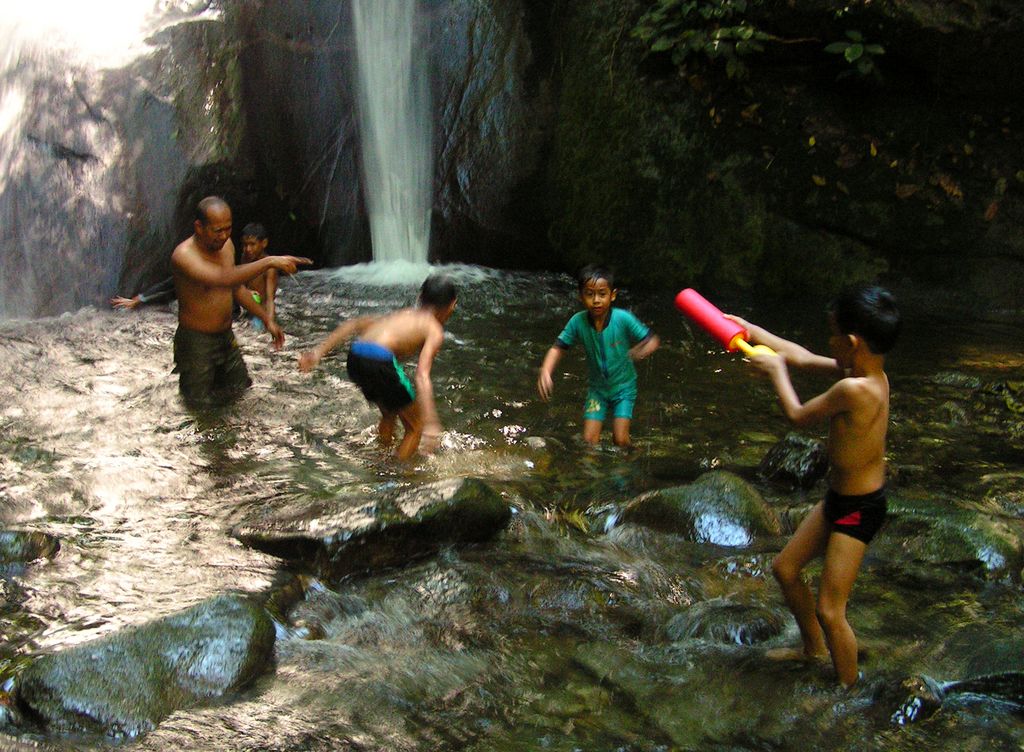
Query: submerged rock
point(725, 622)
point(922, 531)
point(20, 546)
point(795, 462)
point(718, 508)
point(388, 530)
point(125, 684)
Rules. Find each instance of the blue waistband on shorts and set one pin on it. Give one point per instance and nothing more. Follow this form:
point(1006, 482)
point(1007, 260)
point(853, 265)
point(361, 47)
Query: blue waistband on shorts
point(372, 351)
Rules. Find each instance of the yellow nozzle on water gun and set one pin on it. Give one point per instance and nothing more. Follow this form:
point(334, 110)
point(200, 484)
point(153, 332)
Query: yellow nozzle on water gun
point(751, 351)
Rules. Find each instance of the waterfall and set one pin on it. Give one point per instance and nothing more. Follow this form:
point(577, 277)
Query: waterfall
point(395, 127)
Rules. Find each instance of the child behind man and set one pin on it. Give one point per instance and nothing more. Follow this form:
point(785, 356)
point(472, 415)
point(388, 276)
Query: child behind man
point(865, 324)
point(612, 339)
point(373, 363)
point(264, 287)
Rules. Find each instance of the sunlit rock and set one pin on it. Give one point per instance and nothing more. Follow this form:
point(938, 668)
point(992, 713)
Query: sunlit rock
point(718, 508)
point(795, 462)
point(127, 683)
point(385, 529)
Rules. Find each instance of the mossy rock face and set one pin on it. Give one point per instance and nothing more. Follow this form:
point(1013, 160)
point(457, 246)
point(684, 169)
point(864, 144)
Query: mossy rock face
point(930, 533)
point(718, 508)
point(125, 684)
point(384, 530)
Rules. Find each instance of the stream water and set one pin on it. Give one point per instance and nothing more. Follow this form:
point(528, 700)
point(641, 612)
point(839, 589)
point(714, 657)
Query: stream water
point(563, 633)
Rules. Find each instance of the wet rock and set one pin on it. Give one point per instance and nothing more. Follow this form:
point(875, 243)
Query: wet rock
point(951, 413)
point(19, 546)
point(725, 622)
point(927, 695)
point(718, 508)
point(795, 462)
point(391, 528)
point(125, 684)
point(928, 532)
point(694, 700)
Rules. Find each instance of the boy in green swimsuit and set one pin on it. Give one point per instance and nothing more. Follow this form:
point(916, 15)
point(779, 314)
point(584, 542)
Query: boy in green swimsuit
point(865, 323)
point(373, 363)
point(612, 339)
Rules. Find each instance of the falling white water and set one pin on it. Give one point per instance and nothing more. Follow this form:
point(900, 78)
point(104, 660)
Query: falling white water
point(395, 127)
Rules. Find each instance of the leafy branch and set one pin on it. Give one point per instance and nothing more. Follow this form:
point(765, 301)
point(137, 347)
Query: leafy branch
point(858, 53)
point(714, 29)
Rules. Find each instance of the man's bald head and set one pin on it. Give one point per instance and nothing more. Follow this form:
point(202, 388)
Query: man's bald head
point(210, 205)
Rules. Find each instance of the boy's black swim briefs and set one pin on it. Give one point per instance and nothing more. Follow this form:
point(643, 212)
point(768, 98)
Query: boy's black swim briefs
point(859, 517)
point(379, 376)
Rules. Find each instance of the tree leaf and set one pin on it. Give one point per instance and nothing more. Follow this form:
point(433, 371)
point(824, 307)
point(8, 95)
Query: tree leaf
point(853, 52)
point(837, 47)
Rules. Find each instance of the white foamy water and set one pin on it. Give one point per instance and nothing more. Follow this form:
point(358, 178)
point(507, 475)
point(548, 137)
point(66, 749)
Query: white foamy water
point(395, 126)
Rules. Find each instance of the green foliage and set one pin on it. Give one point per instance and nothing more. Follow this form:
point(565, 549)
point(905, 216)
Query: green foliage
point(714, 29)
point(859, 54)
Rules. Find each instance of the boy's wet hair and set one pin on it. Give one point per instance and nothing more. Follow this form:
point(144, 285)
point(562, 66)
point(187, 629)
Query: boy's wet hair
point(594, 272)
point(438, 290)
point(255, 230)
point(870, 312)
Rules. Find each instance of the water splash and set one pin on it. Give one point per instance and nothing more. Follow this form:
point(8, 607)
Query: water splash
point(396, 131)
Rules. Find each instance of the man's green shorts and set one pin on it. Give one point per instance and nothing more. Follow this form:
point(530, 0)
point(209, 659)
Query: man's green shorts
point(210, 368)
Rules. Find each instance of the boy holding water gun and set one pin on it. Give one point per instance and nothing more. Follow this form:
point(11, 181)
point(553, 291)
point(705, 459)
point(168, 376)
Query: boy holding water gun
point(865, 323)
point(612, 339)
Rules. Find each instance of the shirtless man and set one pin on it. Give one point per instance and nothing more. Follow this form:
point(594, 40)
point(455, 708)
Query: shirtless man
point(865, 323)
point(206, 355)
point(373, 363)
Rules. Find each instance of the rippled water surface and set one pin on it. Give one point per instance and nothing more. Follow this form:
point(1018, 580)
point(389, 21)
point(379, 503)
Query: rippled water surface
point(556, 635)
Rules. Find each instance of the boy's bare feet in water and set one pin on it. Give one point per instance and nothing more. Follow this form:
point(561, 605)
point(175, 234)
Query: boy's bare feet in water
point(794, 654)
point(798, 654)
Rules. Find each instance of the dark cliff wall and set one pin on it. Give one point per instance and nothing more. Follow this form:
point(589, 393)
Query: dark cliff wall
point(798, 176)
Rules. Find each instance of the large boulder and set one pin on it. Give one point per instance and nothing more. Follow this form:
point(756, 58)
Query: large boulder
point(718, 508)
point(125, 684)
point(388, 529)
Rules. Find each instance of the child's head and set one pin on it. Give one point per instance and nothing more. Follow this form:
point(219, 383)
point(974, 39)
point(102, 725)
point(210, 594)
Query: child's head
point(254, 241)
point(592, 273)
point(869, 312)
point(597, 290)
point(438, 292)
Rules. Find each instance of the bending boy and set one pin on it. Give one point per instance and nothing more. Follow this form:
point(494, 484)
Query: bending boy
point(865, 324)
point(373, 363)
point(612, 339)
